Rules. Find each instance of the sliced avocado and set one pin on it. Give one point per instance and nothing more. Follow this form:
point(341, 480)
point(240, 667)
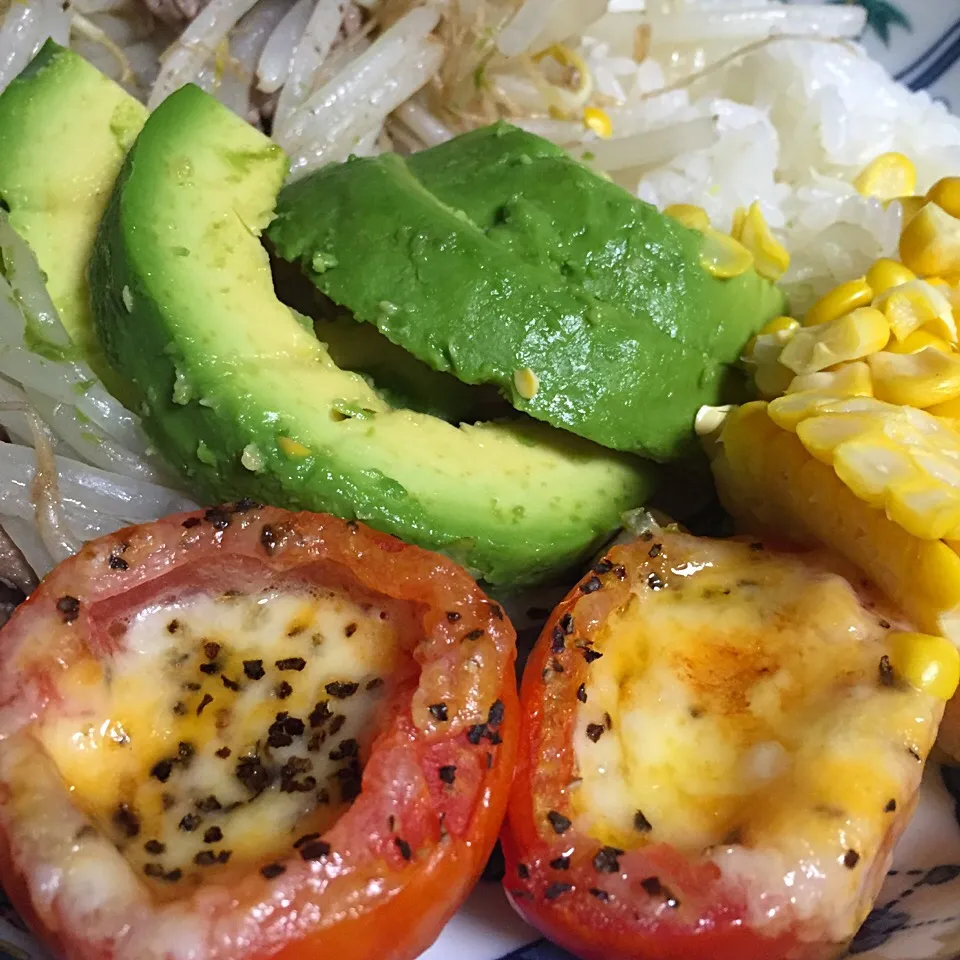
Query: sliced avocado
point(496, 255)
point(246, 402)
point(64, 131)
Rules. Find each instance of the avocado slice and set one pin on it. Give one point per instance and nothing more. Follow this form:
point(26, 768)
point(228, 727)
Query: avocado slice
point(244, 401)
point(64, 131)
point(497, 253)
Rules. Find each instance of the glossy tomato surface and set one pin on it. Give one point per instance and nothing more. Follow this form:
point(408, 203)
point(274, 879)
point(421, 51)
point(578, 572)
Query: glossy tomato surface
point(417, 794)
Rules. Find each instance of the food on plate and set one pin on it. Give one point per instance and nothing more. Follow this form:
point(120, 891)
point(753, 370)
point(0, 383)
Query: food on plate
point(243, 400)
point(64, 131)
point(252, 733)
point(858, 446)
point(510, 263)
point(722, 741)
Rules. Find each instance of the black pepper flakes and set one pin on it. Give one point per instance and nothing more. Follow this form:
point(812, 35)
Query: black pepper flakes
point(341, 689)
point(655, 551)
point(891, 806)
point(204, 703)
point(117, 563)
point(282, 690)
point(523, 871)
point(213, 835)
point(640, 823)
point(438, 711)
point(346, 748)
point(453, 616)
point(211, 650)
point(589, 654)
point(652, 886)
point(559, 641)
point(185, 752)
point(887, 678)
point(403, 847)
point(291, 663)
point(272, 870)
point(268, 538)
point(127, 821)
point(476, 733)
point(209, 804)
point(850, 859)
point(582, 693)
point(559, 822)
point(654, 582)
point(251, 772)
point(349, 630)
point(555, 890)
point(190, 823)
point(595, 731)
point(190, 523)
point(69, 608)
point(174, 876)
point(336, 723)
point(474, 634)
point(315, 850)
point(447, 774)
point(885, 624)
point(209, 668)
point(606, 860)
point(231, 685)
point(375, 683)
point(496, 610)
point(495, 716)
point(601, 895)
point(154, 870)
point(161, 771)
point(560, 863)
point(205, 858)
point(319, 715)
point(305, 839)
point(155, 848)
point(218, 518)
point(591, 586)
point(253, 669)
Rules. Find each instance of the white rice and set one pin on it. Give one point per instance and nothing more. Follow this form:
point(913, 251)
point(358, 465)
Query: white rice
point(712, 102)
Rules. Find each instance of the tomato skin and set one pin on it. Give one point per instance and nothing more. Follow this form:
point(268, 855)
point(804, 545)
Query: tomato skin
point(451, 832)
point(711, 919)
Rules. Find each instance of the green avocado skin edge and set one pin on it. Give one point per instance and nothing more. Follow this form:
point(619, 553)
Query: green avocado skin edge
point(245, 402)
point(497, 252)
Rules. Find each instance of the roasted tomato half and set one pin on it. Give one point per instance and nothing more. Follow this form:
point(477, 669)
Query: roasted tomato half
point(717, 756)
point(248, 733)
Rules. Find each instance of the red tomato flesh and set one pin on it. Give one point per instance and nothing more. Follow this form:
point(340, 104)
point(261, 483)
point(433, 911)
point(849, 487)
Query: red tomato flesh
point(243, 733)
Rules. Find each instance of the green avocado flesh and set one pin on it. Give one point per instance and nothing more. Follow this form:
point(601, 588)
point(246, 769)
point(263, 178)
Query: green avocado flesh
point(497, 253)
point(64, 131)
point(245, 401)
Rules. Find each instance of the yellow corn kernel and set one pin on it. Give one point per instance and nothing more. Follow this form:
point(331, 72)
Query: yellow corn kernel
point(850, 337)
point(689, 215)
point(929, 663)
point(821, 434)
point(869, 463)
point(889, 176)
point(598, 121)
point(945, 194)
point(949, 408)
point(924, 507)
point(780, 325)
point(886, 274)
point(293, 448)
point(917, 341)
point(919, 379)
point(739, 219)
point(910, 205)
point(915, 304)
point(527, 383)
point(793, 408)
point(722, 256)
point(848, 380)
point(930, 242)
point(841, 300)
point(770, 257)
point(767, 480)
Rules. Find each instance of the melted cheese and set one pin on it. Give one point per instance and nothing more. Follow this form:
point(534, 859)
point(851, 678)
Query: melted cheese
point(739, 708)
point(225, 729)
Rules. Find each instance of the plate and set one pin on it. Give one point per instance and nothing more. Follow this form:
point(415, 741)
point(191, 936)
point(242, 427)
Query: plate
point(917, 916)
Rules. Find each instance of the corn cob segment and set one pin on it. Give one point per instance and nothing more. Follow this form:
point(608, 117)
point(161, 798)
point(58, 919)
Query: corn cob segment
point(767, 479)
